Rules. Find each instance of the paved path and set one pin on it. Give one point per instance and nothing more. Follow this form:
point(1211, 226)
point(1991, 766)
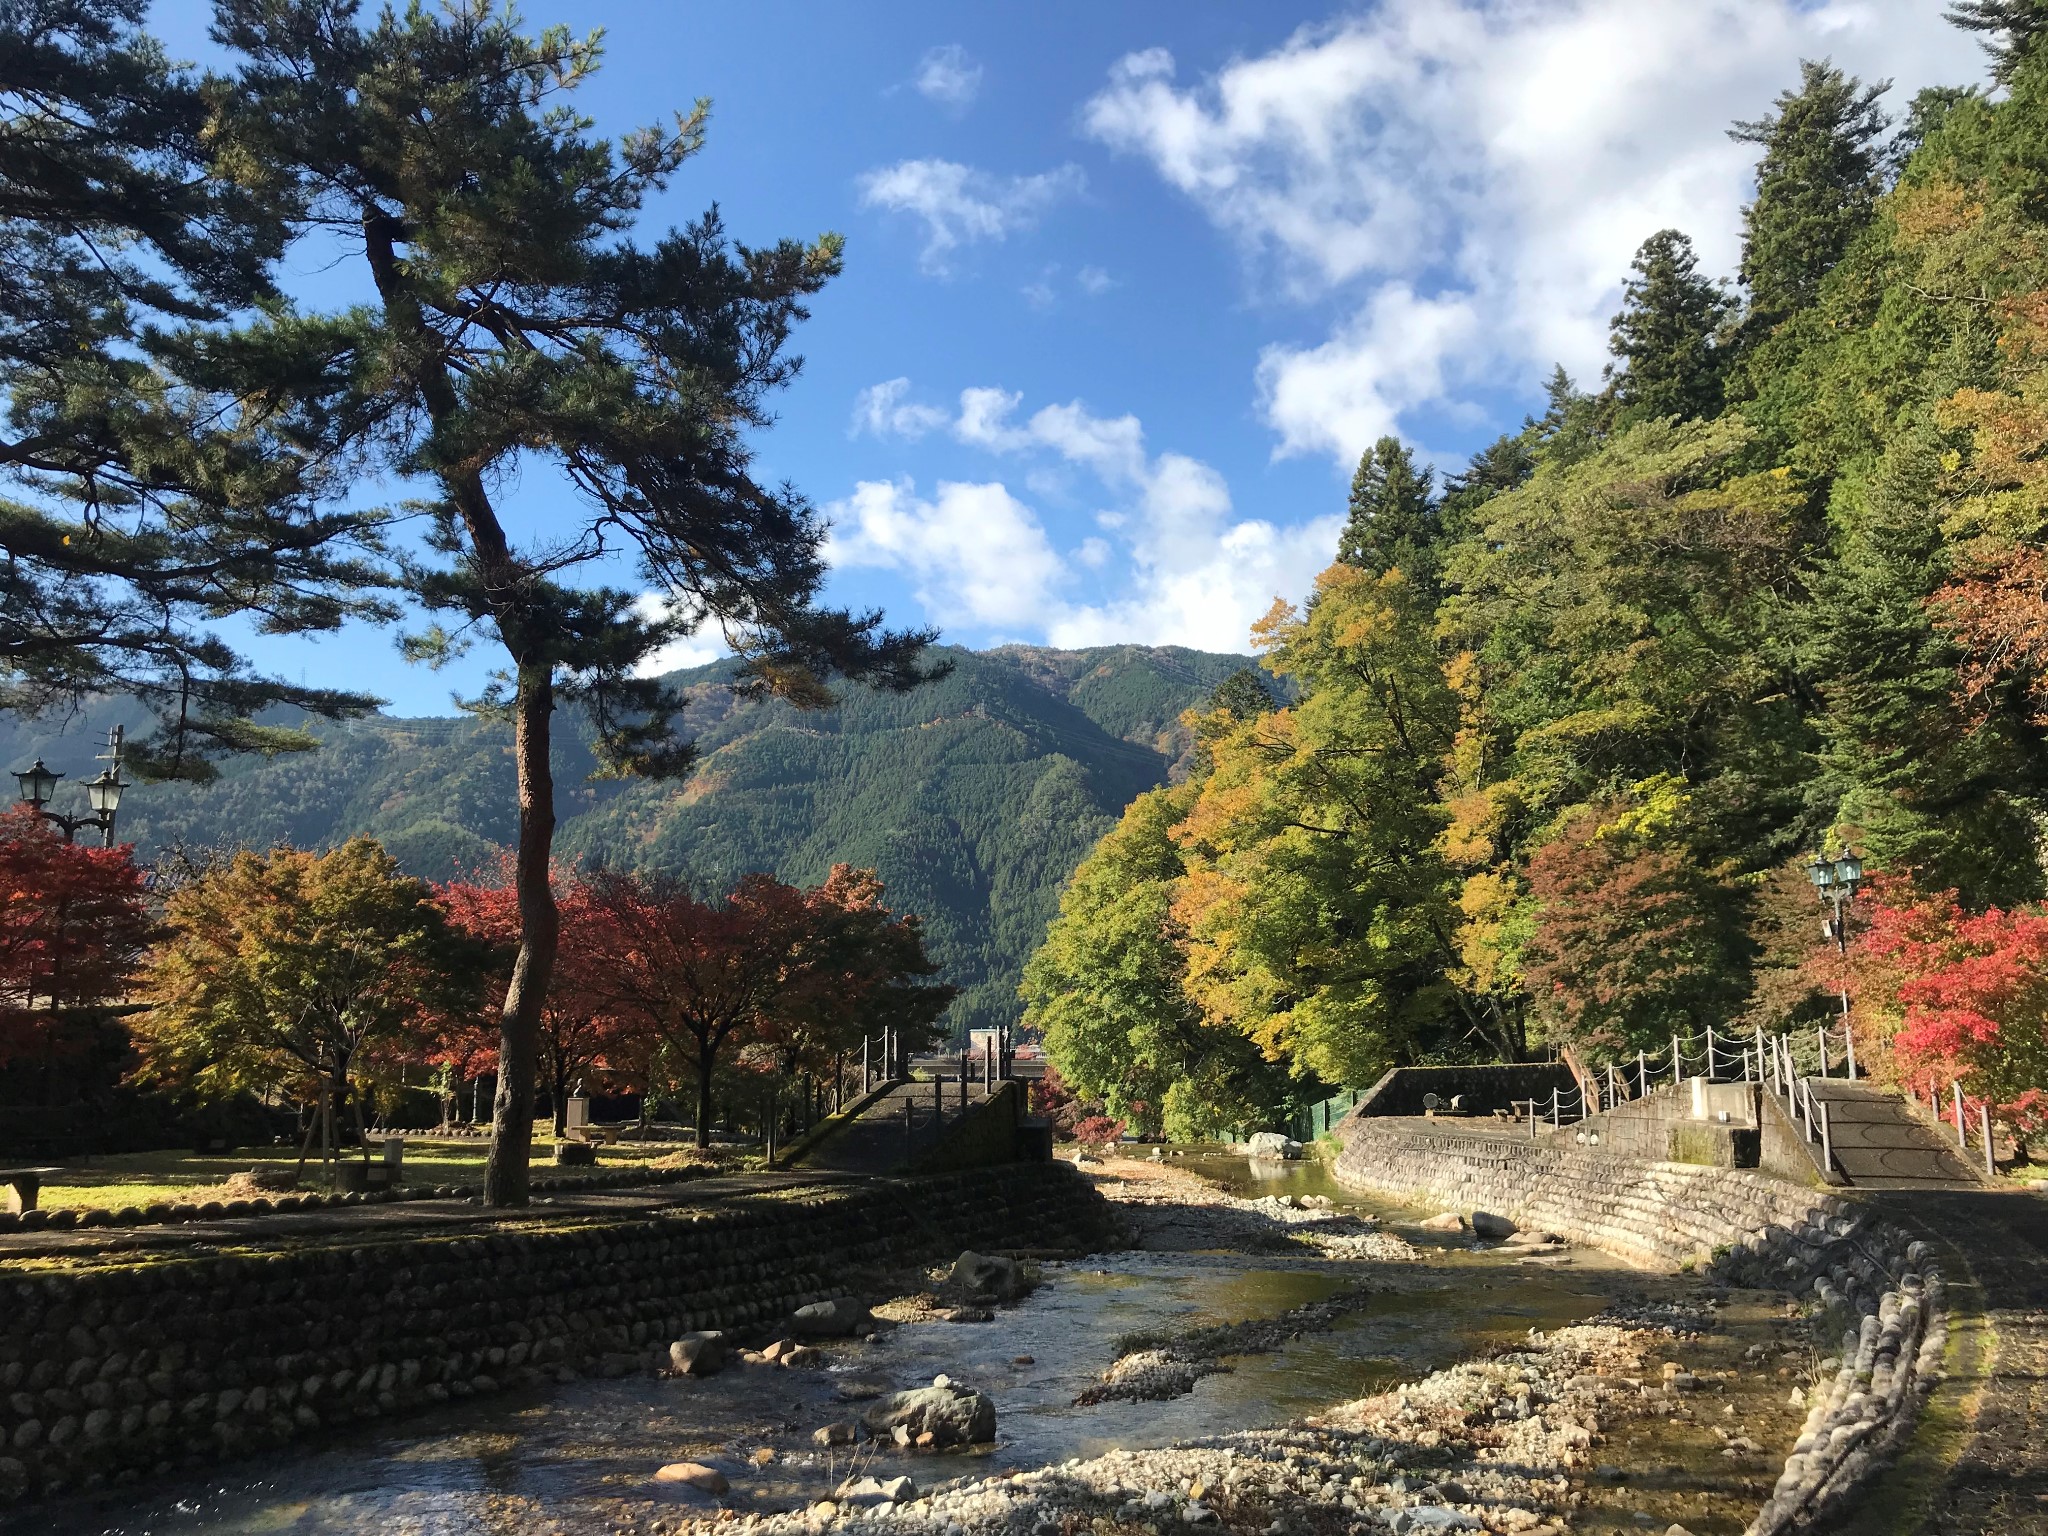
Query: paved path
point(1881, 1144)
point(1999, 1483)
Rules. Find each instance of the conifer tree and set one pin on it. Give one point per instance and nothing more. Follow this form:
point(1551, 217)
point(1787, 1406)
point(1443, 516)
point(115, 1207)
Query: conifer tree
point(517, 331)
point(1816, 185)
point(144, 490)
point(1664, 337)
point(1393, 521)
point(2014, 27)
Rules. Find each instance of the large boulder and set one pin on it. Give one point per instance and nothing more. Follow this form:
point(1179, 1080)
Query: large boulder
point(698, 1354)
point(1272, 1144)
point(1492, 1227)
point(991, 1275)
point(834, 1319)
point(693, 1474)
point(949, 1413)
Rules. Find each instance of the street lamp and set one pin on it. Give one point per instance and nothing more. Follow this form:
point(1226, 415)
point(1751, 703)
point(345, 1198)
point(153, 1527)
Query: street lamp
point(102, 793)
point(1835, 882)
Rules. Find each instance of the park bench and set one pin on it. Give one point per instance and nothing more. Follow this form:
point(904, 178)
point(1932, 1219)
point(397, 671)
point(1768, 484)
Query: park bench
point(23, 1186)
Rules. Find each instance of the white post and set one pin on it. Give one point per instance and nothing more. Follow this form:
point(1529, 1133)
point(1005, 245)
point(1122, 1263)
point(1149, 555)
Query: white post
point(1642, 1074)
point(1984, 1124)
point(1849, 1040)
point(1827, 1151)
point(1961, 1139)
point(1677, 1063)
point(1710, 1053)
point(1554, 1096)
point(1820, 1036)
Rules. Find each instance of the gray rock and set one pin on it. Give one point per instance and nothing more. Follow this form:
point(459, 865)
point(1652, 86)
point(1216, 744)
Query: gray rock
point(698, 1354)
point(843, 1433)
point(950, 1414)
point(834, 1319)
point(981, 1274)
point(1492, 1227)
point(1271, 1144)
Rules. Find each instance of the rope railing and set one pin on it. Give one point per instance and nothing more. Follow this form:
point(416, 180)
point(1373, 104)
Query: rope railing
point(1782, 1063)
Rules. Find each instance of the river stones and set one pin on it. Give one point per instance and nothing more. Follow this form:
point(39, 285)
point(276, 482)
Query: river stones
point(693, 1474)
point(834, 1319)
point(1271, 1144)
point(1492, 1227)
point(1447, 1221)
point(987, 1275)
point(845, 1432)
point(951, 1414)
point(698, 1354)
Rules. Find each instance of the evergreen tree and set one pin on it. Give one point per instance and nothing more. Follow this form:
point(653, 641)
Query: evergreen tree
point(146, 489)
point(1499, 467)
point(2015, 28)
point(1243, 696)
point(1393, 522)
point(1816, 186)
point(515, 328)
point(1664, 336)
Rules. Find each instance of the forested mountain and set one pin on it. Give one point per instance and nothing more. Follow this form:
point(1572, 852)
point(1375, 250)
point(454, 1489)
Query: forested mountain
point(1568, 727)
point(974, 796)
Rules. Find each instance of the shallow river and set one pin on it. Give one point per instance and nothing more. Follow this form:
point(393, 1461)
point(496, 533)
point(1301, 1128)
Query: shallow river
point(578, 1457)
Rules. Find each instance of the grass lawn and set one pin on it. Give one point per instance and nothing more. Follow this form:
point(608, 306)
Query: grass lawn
point(138, 1178)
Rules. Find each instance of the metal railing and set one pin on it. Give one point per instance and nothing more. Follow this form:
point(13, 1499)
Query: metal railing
point(1953, 1114)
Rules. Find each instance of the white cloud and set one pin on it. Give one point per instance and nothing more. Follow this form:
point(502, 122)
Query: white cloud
point(1469, 180)
point(1094, 281)
point(948, 75)
point(979, 555)
point(690, 651)
point(882, 411)
point(961, 205)
point(976, 554)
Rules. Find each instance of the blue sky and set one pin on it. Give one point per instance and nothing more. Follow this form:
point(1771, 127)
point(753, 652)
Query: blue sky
point(1129, 286)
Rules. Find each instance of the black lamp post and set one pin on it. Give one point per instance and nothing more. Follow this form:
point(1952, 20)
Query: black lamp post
point(102, 793)
point(1835, 882)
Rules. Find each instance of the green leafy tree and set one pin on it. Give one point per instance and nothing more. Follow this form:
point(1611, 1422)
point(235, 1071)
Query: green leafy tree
point(516, 330)
point(1392, 520)
point(291, 970)
point(145, 492)
point(1664, 336)
point(1816, 186)
point(1107, 988)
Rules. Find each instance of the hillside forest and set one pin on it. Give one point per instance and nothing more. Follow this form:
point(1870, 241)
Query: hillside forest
point(1566, 728)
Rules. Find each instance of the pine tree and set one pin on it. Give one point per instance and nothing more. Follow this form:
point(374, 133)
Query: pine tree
point(516, 329)
point(1393, 521)
point(1664, 336)
point(1816, 186)
point(2016, 27)
point(149, 490)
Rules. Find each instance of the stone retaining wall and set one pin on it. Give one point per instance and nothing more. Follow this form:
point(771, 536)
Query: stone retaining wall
point(113, 1372)
point(1742, 1227)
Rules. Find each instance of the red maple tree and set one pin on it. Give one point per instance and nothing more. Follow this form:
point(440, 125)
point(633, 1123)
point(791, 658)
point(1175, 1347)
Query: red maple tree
point(72, 927)
point(1969, 992)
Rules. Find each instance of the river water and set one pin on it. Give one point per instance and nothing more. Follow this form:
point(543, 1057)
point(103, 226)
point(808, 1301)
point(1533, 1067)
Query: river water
point(578, 1457)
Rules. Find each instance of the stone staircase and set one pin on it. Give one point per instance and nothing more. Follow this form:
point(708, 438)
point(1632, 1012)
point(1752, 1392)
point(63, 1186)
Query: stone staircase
point(876, 1140)
point(1880, 1143)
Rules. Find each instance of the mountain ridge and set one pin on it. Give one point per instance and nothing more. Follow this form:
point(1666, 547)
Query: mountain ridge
point(974, 796)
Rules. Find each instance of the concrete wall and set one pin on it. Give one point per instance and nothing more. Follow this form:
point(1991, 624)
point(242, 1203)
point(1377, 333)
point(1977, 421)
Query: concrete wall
point(1486, 1088)
point(1746, 1228)
point(110, 1372)
point(1661, 1127)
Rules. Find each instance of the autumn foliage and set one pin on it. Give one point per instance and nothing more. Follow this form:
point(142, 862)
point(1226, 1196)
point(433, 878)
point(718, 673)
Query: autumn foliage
point(72, 927)
point(1962, 996)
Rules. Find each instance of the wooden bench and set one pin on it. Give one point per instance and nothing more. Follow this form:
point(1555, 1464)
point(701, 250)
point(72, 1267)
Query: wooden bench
point(24, 1185)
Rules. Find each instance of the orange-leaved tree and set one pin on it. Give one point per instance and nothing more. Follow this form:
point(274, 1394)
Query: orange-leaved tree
point(288, 969)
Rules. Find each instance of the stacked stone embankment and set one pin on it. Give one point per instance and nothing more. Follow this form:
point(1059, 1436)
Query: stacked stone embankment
point(1741, 1227)
point(111, 1372)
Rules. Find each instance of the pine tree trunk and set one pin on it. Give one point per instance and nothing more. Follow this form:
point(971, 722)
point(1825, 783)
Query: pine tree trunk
point(505, 1175)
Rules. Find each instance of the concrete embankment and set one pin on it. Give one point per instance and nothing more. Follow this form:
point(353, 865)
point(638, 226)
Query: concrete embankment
point(1739, 1226)
point(112, 1371)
